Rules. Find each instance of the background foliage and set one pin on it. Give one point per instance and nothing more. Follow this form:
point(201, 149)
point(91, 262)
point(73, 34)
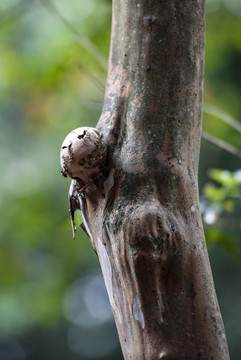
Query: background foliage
point(53, 304)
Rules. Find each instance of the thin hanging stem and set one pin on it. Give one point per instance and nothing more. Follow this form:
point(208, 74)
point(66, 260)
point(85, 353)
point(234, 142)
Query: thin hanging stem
point(92, 78)
point(220, 114)
point(82, 40)
point(221, 144)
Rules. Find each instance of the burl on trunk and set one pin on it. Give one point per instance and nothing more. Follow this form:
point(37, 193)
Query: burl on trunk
point(135, 180)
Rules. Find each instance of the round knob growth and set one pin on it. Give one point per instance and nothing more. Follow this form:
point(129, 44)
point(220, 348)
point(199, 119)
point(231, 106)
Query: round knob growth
point(82, 154)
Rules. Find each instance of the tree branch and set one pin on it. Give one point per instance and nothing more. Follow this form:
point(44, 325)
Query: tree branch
point(142, 213)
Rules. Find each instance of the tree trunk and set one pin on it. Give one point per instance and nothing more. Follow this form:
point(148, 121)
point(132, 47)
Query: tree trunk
point(143, 215)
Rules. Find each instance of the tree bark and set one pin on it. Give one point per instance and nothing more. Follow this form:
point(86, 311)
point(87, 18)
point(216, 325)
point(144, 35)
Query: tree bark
point(143, 214)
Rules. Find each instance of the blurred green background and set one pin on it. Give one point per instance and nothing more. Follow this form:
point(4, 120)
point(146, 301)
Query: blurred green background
point(53, 304)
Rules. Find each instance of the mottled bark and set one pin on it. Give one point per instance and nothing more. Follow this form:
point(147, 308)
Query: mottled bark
point(143, 213)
